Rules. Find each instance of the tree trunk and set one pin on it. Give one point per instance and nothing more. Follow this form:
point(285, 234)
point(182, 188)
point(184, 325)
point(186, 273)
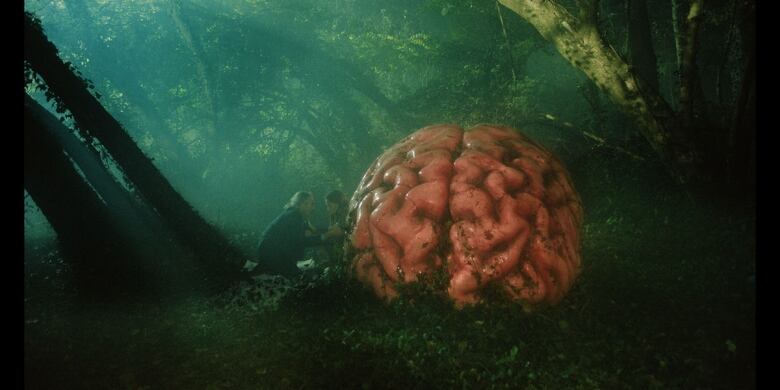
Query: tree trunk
point(690, 85)
point(679, 8)
point(580, 43)
point(742, 132)
point(103, 261)
point(108, 63)
point(640, 44)
point(86, 159)
point(136, 221)
point(222, 260)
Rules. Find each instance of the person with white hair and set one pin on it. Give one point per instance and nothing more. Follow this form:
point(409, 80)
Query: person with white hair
point(285, 239)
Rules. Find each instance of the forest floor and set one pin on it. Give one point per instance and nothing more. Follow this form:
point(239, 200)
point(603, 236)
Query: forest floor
point(665, 300)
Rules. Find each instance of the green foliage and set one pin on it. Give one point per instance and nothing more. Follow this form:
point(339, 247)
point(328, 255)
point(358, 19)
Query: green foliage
point(662, 302)
point(34, 83)
point(335, 82)
point(304, 94)
point(294, 93)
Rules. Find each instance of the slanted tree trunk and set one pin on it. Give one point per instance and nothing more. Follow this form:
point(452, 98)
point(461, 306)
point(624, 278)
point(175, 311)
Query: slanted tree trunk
point(103, 260)
point(222, 260)
point(140, 226)
point(108, 62)
point(87, 160)
point(579, 41)
point(125, 77)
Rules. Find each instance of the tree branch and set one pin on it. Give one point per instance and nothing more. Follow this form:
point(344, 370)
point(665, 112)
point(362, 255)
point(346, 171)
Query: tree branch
point(724, 58)
point(688, 67)
point(566, 126)
point(679, 37)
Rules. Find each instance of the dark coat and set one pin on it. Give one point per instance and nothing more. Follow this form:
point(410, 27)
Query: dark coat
point(283, 244)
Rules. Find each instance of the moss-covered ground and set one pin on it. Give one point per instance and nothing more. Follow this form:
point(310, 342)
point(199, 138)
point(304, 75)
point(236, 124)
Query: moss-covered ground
point(665, 300)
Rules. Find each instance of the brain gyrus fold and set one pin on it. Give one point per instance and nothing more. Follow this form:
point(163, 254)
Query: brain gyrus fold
point(487, 206)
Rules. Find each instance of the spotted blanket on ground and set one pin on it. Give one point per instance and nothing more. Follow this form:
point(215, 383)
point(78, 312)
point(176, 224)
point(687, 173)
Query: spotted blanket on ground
point(262, 292)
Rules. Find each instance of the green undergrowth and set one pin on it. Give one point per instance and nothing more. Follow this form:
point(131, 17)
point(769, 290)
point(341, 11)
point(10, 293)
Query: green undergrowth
point(665, 299)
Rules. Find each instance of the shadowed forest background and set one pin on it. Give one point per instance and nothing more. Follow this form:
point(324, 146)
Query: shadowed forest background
point(161, 137)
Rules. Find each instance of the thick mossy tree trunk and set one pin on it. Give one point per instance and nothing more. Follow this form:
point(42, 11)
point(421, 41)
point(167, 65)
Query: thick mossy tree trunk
point(103, 261)
point(579, 41)
point(86, 159)
point(106, 60)
point(222, 261)
point(696, 158)
point(137, 222)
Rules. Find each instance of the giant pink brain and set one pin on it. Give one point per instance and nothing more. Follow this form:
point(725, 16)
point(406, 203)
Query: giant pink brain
point(488, 206)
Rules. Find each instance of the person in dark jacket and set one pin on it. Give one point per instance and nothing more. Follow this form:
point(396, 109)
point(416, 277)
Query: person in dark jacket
point(285, 239)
